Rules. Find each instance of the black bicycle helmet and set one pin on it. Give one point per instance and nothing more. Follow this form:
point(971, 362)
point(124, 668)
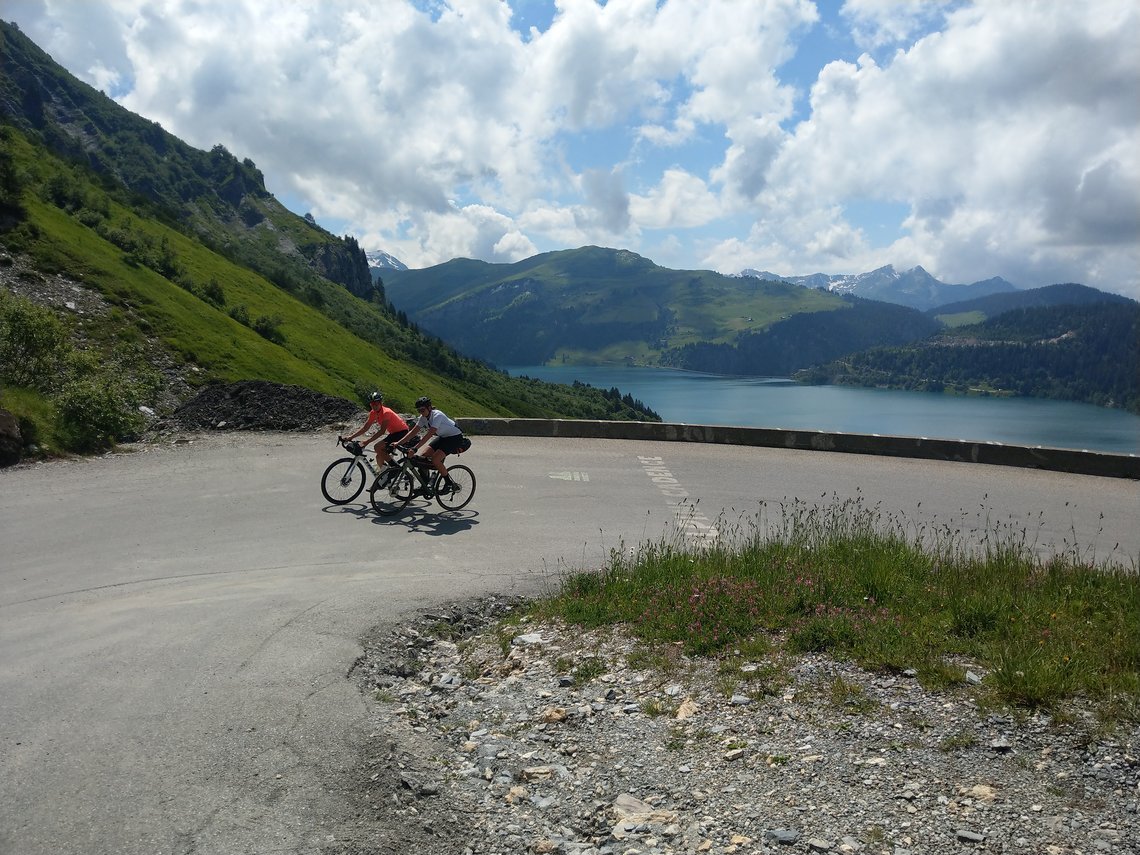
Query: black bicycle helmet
point(376, 396)
point(425, 401)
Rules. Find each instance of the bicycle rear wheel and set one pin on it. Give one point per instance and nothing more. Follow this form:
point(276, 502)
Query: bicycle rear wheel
point(394, 496)
point(457, 496)
point(343, 480)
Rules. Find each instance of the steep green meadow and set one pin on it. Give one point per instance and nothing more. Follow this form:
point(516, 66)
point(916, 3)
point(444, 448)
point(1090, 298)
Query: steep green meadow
point(214, 318)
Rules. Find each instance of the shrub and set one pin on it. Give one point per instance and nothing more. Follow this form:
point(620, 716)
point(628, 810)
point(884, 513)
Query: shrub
point(269, 327)
point(240, 314)
point(213, 293)
point(33, 342)
point(93, 412)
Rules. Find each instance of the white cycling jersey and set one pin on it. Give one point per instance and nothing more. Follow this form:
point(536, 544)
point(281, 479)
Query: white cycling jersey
point(444, 427)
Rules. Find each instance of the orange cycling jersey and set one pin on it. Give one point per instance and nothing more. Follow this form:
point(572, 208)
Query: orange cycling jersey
point(387, 419)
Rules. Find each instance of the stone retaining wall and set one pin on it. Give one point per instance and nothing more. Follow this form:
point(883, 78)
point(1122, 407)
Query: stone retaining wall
point(1056, 459)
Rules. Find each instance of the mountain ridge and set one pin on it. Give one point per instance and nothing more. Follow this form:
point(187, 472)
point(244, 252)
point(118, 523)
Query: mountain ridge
point(1062, 294)
point(914, 287)
point(591, 303)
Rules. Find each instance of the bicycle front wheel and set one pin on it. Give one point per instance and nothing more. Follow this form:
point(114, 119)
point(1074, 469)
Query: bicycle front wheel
point(343, 480)
point(394, 496)
point(461, 490)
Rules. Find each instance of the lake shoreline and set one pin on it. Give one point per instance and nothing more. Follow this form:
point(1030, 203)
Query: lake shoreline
point(693, 397)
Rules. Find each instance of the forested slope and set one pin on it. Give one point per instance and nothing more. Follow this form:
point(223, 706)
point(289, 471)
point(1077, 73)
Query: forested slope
point(1088, 353)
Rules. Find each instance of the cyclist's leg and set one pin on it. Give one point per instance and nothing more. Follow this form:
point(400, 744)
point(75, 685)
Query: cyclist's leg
point(437, 455)
point(384, 446)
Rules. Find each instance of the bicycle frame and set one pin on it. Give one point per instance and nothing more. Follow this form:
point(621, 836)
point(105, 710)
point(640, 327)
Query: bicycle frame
point(423, 473)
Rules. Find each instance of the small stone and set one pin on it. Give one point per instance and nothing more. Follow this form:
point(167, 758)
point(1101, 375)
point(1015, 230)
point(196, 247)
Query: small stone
point(449, 682)
point(786, 836)
point(626, 805)
point(982, 792)
point(687, 709)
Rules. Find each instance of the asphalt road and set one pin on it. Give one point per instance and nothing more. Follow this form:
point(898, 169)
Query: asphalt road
point(177, 623)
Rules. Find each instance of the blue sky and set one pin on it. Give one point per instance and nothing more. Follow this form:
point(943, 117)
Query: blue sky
point(976, 139)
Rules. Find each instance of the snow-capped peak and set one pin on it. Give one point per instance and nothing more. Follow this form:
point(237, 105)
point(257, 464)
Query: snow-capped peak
point(380, 260)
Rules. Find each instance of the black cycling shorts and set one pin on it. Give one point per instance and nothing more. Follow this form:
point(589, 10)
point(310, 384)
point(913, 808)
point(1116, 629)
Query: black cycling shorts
point(448, 444)
point(394, 437)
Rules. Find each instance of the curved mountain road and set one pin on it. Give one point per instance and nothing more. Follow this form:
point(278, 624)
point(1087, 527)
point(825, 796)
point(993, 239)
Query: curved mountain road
point(177, 623)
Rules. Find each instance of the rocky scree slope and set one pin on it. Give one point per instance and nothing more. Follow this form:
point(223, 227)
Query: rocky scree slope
point(547, 739)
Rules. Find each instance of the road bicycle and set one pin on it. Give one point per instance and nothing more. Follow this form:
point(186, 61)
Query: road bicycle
point(345, 478)
point(409, 476)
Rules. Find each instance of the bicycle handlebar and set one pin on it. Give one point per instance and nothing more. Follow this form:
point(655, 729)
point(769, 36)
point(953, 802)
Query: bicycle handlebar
point(350, 445)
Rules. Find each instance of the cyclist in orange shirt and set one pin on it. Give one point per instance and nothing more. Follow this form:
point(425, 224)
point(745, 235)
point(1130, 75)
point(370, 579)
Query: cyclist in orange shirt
point(388, 424)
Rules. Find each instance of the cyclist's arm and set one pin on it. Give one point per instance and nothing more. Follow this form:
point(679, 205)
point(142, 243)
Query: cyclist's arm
point(407, 439)
point(367, 424)
point(425, 439)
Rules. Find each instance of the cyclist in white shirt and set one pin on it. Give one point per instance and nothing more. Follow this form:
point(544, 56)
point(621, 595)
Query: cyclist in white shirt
point(441, 437)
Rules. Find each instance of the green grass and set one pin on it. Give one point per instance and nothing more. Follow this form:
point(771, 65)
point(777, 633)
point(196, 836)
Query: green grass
point(317, 352)
point(846, 580)
point(962, 319)
point(36, 415)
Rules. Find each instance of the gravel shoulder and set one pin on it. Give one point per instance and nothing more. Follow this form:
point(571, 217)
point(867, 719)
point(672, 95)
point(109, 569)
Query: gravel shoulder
point(545, 739)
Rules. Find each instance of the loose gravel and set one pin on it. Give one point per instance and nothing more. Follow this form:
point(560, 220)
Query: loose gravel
point(543, 738)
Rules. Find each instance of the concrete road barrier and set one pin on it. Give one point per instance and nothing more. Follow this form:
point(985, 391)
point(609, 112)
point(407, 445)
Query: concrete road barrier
point(994, 453)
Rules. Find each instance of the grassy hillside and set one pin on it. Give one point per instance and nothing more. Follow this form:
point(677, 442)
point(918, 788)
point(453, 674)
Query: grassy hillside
point(802, 340)
point(219, 200)
point(202, 316)
point(200, 274)
point(590, 305)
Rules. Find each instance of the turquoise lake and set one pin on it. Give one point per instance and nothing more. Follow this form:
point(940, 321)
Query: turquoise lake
point(695, 398)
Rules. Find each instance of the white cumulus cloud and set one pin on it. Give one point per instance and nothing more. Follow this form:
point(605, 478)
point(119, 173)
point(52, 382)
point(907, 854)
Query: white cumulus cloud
point(976, 138)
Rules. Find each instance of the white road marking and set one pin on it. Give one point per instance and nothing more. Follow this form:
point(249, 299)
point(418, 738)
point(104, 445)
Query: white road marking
point(694, 524)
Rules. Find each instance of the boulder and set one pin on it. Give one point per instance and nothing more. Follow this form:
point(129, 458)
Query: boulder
point(11, 441)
